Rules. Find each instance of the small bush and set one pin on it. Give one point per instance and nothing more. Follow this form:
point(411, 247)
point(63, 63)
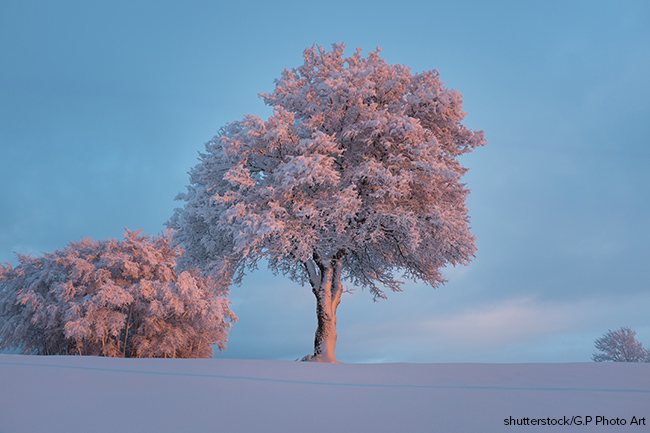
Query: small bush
point(111, 298)
point(620, 346)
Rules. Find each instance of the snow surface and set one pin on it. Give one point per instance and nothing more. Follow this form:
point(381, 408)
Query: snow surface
point(91, 394)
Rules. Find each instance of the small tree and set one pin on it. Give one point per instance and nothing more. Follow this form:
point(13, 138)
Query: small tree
point(111, 298)
point(354, 176)
point(620, 346)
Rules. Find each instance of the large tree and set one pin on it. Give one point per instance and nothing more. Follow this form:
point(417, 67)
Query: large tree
point(355, 176)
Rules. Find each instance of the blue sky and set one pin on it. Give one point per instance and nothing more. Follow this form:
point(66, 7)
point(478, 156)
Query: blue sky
point(104, 106)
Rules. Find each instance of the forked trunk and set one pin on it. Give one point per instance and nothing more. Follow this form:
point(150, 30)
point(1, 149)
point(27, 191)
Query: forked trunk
point(326, 286)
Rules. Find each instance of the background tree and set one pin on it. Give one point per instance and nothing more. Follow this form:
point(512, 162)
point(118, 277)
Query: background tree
point(620, 346)
point(354, 176)
point(111, 298)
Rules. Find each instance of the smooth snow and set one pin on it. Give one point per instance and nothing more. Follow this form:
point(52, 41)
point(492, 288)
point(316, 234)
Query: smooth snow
point(71, 394)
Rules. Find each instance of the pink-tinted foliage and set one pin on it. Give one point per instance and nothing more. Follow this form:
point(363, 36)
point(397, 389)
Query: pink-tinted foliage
point(355, 171)
point(111, 298)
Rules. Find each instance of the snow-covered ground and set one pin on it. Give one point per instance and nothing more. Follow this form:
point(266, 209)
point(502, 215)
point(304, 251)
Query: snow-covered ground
point(88, 394)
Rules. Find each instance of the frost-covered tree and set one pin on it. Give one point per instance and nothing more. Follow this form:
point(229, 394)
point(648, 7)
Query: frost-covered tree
point(620, 346)
point(355, 176)
point(111, 298)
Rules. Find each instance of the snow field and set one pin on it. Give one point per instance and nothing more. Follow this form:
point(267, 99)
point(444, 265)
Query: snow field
point(71, 394)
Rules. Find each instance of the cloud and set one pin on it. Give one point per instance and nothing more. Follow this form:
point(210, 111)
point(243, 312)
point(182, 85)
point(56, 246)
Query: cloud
point(501, 324)
point(518, 329)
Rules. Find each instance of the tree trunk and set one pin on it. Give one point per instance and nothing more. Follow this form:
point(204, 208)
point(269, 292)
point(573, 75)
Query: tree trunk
point(325, 279)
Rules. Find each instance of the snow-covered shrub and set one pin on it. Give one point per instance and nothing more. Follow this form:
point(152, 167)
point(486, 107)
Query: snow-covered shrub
point(112, 298)
point(620, 346)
